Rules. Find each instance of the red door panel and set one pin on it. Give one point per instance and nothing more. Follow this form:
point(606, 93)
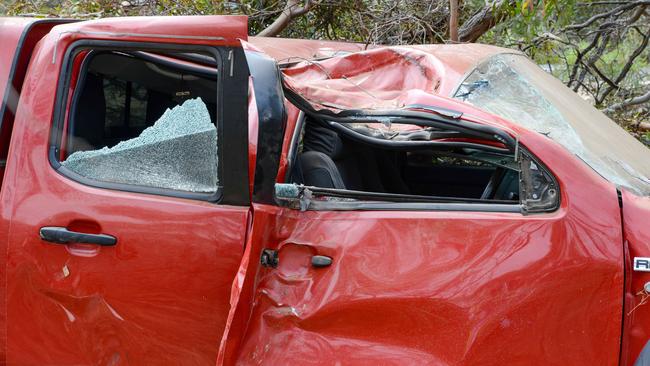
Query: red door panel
point(442, 288)
point(19, 37)
point(158, 297)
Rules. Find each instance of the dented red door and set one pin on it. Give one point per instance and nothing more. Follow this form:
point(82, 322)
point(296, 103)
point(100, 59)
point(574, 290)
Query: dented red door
point(441, 287)
point(160, 296)
point(19, 36)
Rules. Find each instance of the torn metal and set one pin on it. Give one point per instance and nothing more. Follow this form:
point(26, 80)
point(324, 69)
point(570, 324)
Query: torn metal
point(419, 130)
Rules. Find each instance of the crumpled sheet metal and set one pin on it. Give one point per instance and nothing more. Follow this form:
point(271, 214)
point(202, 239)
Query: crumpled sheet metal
point(295, 50)
point(438, 288)
point(178, 152)
point(373, 79)
point(377, 78)
point(457, 58)
point(395, 77)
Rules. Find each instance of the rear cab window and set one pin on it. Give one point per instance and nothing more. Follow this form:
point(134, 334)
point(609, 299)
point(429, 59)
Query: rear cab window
point(143, 121)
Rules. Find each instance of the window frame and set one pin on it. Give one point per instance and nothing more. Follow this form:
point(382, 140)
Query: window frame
point(81, 80)
point(235, 178)
point(364, 200)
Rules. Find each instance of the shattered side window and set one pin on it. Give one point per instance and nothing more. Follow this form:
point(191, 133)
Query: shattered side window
point(335, 167)
point(135, 120)
point(179, 152)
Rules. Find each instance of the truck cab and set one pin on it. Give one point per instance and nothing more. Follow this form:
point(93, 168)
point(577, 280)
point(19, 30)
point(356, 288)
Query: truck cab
point(175, 192)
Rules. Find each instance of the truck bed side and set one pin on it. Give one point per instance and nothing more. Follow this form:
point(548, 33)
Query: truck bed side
point(19, 36)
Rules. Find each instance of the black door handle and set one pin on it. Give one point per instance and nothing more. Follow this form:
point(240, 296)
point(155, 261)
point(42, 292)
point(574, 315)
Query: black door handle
point(61, 235)
point(320, 261)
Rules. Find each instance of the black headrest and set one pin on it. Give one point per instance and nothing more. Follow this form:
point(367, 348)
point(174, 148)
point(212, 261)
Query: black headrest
point(322, 139)
point(157, 104)
point(318, 170)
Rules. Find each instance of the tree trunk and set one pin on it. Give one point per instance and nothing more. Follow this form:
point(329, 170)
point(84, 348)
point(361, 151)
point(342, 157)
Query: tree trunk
point(453, 20)
point(291, 11)
point(483, 20)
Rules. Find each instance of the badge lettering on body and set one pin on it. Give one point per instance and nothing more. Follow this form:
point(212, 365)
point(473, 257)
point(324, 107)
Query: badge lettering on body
point(641, 264)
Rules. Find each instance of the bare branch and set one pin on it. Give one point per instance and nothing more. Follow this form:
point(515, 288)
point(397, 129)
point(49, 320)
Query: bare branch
point(614, 11)
point(626, 68)
point(645, 98)
point(291, 11)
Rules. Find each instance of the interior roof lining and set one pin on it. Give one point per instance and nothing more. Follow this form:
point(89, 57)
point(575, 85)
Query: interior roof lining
point(135, 69)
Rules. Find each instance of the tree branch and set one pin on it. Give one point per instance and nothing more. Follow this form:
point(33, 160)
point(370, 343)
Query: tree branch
point(483, 20)
point(292, 10)
point(645, 98)
point(614, 11)
point(628, 65)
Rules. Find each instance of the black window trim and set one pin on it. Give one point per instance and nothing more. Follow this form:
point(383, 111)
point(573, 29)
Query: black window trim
point(351, 200)
point(271, 126)
point(367, 205)
point(373, 201)
point(233, 182)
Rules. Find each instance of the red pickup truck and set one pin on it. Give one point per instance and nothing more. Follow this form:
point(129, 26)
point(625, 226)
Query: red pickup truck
point(177, 193)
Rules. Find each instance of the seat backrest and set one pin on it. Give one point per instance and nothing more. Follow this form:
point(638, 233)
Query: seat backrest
point(359, 167)
point(318, 170)
point(87, 124)
point(157, 104)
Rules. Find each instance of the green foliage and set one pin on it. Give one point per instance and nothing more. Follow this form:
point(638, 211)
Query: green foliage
point(585, 58)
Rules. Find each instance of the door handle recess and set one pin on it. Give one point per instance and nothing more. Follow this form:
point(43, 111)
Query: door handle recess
point(61, 235)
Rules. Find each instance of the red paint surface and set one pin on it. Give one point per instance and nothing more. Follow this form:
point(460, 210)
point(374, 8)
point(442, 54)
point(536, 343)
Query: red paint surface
point(444, 288)
point(19, 36)
point(294, 50)
point(161, 295)
point(209, 30)
point(11, 29)
point(636, 216)
point(10, 32)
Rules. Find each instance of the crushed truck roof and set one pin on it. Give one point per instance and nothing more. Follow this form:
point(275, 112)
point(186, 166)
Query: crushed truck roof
point(471, 78)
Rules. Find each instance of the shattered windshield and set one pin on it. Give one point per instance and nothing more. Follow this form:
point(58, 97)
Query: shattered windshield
point(513, 87)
